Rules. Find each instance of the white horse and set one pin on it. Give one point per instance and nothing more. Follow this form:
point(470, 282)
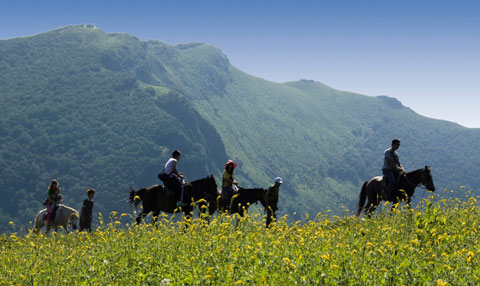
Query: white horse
point(64, 216)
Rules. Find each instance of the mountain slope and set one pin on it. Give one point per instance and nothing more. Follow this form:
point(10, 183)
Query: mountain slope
point(106, 110)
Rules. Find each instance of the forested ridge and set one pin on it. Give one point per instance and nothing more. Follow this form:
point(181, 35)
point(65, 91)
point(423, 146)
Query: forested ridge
point(105, 111)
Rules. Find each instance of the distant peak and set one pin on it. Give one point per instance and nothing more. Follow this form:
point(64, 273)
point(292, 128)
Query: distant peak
point(189, 45)
point(76, 26)
point(306, 84)
point(391, 101)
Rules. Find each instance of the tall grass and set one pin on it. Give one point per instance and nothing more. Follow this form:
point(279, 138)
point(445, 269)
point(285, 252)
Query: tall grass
point(436, 243)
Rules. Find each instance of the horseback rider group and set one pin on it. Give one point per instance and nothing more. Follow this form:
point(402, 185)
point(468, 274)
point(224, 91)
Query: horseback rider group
point(55, 198)
point(174, 181)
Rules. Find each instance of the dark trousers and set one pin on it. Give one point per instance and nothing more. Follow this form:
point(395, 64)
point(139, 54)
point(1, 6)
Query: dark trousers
point(175, 186)
point(391, 177)
point(86, 225)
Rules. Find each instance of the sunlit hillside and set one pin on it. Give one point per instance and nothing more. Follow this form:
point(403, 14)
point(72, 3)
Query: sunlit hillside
point(105, 111)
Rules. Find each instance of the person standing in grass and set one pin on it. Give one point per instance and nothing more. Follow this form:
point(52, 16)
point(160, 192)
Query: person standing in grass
point(271, 198)
point(86, 212)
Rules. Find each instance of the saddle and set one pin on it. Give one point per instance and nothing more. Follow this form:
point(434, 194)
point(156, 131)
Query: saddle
point(228, 195)
point(55, 207)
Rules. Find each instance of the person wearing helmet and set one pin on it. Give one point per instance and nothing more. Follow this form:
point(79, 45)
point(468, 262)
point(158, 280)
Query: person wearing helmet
point(271, 198)
point(229, 184)
point(86, 212)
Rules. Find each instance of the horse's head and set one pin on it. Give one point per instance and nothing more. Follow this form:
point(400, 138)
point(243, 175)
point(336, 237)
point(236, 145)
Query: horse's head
point(206, 188)
point(211, 185)
point(427, 180)
point(73, 219)
point(212, 194)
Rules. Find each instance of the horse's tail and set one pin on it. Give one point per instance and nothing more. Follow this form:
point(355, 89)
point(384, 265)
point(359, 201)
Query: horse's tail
point(136, 197)
point(363, 197)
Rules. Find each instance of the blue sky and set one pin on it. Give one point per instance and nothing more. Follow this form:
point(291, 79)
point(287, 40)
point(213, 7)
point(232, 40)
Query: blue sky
point(425, 53)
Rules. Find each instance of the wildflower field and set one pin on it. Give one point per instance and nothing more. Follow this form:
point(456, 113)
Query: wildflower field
point(436, 243)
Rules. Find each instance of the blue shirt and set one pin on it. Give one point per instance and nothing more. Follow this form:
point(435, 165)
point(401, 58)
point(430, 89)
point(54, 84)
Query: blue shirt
point(389, 153)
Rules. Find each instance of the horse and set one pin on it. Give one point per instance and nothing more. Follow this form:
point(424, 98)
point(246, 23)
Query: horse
point(245, 198)
point(404, 190)
point(156, 198)
point(64, 216)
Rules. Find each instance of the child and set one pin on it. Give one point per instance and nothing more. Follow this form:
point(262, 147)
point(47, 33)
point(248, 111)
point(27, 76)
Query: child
point(52, 199)
point(86, 213)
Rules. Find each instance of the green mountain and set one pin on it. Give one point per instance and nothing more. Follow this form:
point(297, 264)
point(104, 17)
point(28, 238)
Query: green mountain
point(105, 111)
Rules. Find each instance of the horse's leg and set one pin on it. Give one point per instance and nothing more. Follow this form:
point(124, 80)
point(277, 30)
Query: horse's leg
point(156, 213)
point(141, 216)
point(37, 225)
point(48, 226)
point(188, 216)
point(409, 202)
point(394, 205)
point(372, 204)
point(237, 220)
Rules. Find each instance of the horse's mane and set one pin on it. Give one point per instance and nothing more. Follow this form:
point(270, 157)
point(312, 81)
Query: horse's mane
point(415, 172)
point(203, 181)
point(249, 193)
point(69, 208)
point(240, 190)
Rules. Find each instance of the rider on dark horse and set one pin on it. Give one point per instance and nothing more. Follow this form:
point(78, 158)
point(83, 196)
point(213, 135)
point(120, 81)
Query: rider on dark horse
point(392, 168)
point(175, 182)
point(229, 184)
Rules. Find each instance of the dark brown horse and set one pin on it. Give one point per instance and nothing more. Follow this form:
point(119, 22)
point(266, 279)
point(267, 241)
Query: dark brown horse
point(156, 198)
point(243, 199)
point(404, 190)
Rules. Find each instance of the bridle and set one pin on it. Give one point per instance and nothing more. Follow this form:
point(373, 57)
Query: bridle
point(419, 185)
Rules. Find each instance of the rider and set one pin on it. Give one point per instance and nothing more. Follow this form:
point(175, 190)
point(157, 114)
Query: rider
point(229, 184)
point(174, 183)
point(52, 192)
point(392, 168)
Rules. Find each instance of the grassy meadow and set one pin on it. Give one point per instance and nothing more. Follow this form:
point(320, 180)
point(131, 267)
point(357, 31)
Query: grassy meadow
point(436, 243)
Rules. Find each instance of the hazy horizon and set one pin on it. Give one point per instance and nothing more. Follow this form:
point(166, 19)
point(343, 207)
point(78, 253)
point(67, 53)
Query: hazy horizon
point(424, 54)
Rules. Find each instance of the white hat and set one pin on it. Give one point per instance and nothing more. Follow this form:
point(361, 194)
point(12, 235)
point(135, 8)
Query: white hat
point(278, 180)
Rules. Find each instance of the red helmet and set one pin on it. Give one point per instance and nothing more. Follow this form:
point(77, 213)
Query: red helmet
point(231, 162)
